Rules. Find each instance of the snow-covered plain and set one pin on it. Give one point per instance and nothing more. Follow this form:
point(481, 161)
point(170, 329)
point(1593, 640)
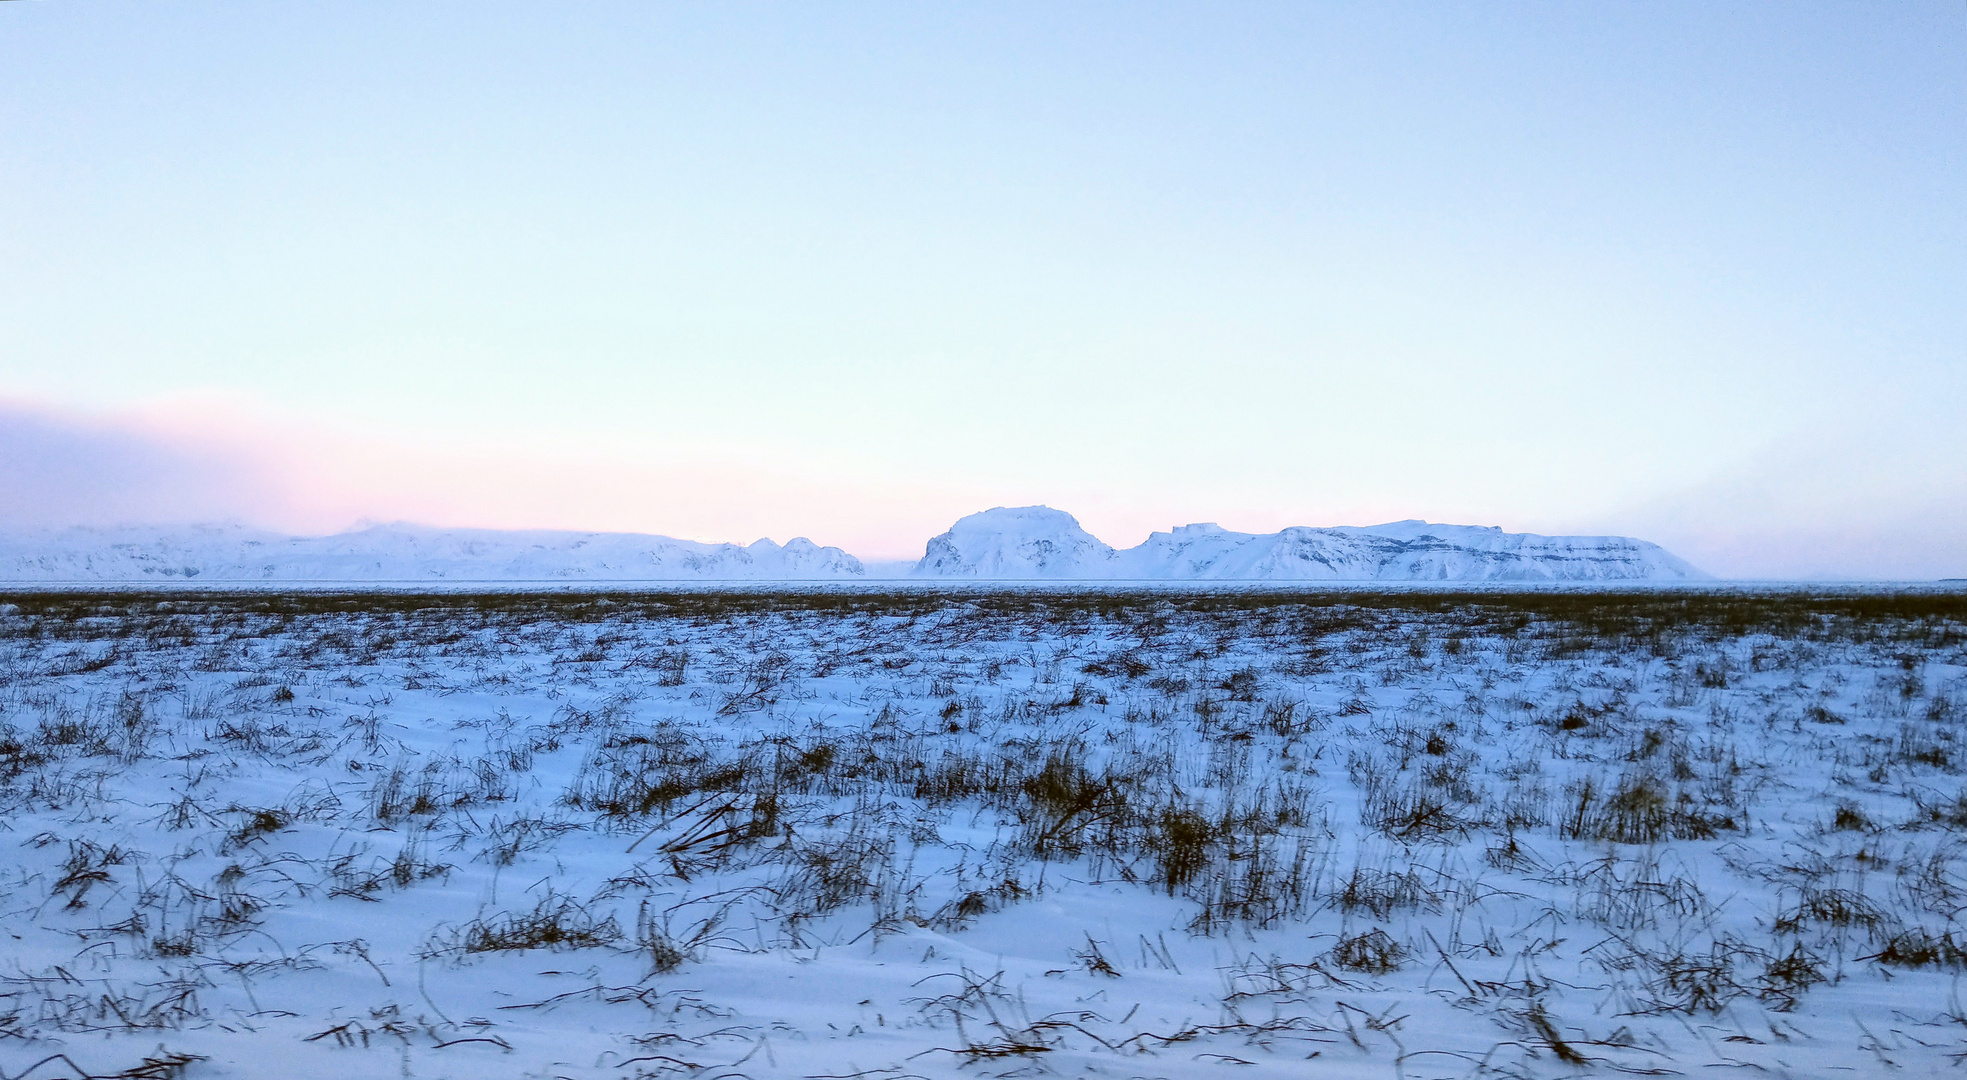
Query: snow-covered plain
point(1006, 544)
point(918, 833)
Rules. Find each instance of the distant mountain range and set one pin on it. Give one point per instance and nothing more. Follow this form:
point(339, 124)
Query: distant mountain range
point(1004, 544)
point(1039, 542)
point(405, 553)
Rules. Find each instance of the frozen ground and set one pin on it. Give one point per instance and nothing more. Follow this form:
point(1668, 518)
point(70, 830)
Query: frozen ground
point(1062, 833)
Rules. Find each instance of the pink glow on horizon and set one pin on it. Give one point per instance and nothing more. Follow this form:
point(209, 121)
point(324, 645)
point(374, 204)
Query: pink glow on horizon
point(240, 458)
point(225, 458)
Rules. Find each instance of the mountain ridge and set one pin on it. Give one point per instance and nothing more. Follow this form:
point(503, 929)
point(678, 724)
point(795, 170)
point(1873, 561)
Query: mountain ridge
point(1038, 542)
point(399, 552)
point(1030, 543)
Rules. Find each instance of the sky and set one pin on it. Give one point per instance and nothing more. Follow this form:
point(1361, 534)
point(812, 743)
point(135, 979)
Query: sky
point(1691, 272)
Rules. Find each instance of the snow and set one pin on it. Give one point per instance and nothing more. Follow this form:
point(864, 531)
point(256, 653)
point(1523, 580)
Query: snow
point(404, 553)
point(1039, 542)
point(1025, 542)
point(1033, 543)
point(936, 834)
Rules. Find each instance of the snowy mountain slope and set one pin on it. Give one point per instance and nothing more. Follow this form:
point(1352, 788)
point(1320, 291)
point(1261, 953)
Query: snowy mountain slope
point(404, 553)
point(1039, 542)
point(1021, 542)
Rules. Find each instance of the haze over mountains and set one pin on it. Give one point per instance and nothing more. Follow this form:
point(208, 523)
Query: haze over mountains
point(1005, 544)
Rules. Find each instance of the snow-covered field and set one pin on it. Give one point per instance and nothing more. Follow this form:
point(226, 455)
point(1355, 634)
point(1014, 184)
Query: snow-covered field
point(915, 833)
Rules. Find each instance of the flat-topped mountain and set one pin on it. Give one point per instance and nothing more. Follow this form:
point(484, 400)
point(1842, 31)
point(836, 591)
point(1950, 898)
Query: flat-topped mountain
point(1037, 542)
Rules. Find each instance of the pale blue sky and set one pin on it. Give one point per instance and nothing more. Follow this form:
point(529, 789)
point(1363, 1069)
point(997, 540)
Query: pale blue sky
point(1694, 272)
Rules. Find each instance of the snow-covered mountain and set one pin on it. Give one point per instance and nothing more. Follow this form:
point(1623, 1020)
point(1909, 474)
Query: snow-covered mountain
point(1019, 542)
point(1039, 542)
point(403, 553)
point(1004, 544)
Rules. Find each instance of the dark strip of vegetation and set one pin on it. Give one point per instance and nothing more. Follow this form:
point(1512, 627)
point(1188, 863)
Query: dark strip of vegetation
point(1927, 616)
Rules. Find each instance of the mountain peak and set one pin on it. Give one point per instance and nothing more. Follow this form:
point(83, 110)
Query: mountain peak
point(1017, 542)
